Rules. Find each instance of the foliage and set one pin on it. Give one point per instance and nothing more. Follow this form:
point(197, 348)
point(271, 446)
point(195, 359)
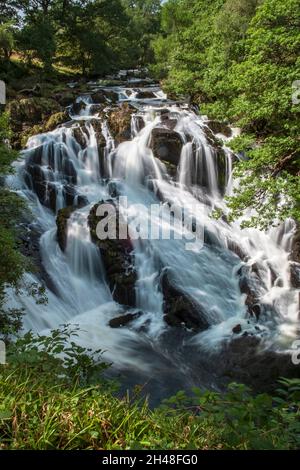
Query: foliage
point(49, 401)
point(239, 59)
point(94, 36)
point(6, 39)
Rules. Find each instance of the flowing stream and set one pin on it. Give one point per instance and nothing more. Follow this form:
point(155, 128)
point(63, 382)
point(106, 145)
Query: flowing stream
point(56, 172)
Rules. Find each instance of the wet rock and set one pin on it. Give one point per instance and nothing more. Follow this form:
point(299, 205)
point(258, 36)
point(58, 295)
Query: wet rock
point(295, 275)
point(295, 253)
point(237, 329)
point(119, 121)
point(166, 145)
point(99, 97)
point(179, 310)
point(236, 249)
point(117, 257)
point(77, 107)
point(62, 224)
point(96, 109)
point(139, 123)
point(29, 245)
point(111, 96)
point(80, 135)
point(65, 98)
point(249, 284)
point(243, 360)
point(124, 320)
point(145, 95)
point(55, 120)
point(219, 127)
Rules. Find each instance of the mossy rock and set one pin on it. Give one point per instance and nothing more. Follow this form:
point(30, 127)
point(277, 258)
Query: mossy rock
point(119, 121)
point(55, 120)
point(24, 136)
point(31, 110)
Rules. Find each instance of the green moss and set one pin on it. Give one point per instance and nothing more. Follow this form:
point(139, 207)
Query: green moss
point(55, 120)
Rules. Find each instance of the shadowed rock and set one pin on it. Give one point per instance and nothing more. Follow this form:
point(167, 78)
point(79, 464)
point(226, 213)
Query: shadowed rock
point(166, 145)
point(117, 256)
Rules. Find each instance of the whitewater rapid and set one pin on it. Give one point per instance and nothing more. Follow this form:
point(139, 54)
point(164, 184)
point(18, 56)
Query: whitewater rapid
point(207, 274)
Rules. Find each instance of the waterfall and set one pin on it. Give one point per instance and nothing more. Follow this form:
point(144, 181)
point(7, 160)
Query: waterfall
point(65, 168)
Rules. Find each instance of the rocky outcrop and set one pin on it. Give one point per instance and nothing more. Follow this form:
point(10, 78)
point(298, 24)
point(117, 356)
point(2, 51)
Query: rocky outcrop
point(249, 283)
point(244, 361)
point(124, 320)
point(295, 259)
point(99, 97)
point(145, 95)
point(117, 257)
point(179, 310)
point(29, 112)
point(78, 106)
point(166, 145)
point(55, 120)
point(119, 121)
point(62, 225)
point(81, 134)
point(219, 127)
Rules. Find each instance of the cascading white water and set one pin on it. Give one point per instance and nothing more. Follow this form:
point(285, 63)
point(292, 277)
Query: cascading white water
point(63, 168)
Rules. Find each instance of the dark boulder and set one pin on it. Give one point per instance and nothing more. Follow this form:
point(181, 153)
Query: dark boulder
point(179, 309)
point(124, 320)
point(145, 95)
point(219, 127)
point(117, 257)
point(237, 329)
point(80, 135)
point(295, 275)
point(166, 145)
point(243, 360)
point(99, 97)
point(62, 224)
point(249, 285)
point(78, 106)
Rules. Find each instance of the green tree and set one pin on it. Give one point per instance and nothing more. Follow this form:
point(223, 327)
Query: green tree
point(6, 40)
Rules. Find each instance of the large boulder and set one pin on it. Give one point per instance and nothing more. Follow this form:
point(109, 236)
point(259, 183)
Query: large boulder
point(124, 320)
point(55, 120)
point(219, 127)
point(295, 259)
point(62, 224)
point(166, 145)
point(27, 113)
point(99, 97)
point(179, 309)
point(119, 121)
point(118, 259)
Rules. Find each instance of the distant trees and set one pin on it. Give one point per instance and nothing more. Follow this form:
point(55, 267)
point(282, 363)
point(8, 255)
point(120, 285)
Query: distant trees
point(144, 25)
point(95, 36)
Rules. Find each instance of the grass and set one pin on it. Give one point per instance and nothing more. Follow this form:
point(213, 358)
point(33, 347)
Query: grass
point(47, 402)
